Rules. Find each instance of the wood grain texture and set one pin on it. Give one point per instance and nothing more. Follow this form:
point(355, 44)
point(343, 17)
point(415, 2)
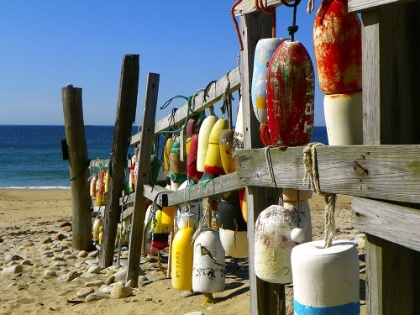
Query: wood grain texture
point(248, 6)
point(363, 5)
point(214, 95)
point(380, 172)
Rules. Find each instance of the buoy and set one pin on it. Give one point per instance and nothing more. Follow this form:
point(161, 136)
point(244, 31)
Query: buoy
point(344, 118)
point(238, 136)
point(157, 174)
point(182, 259)
point(226, 151)
point(209, 263)
point(157, 233)
point(101, 234)
point(213, 161)
point(93, 180)
point(167, 153)
point(203, 140)
point(242, 203)
point(168, 212)
point(290, 95)
point(192, 171)
point(326, 280)
point(100, 189)
point(263, 53)
point(273, 243)
point(178, 168)
point(107, 182)
point(232, 227)
point(337, 38)
point(304, 210)
point(95, 230)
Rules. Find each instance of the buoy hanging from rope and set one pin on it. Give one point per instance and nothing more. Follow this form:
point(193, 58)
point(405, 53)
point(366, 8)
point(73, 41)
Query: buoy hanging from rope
point(290, 95)
point(178, 168)
point(242, 203)
point(226, 150)
point(304, 232)
point(167, 153)
point(100, 189)
point(203, 140)
point(213, 161)
point(209, 263)
point(93, 180)
point(232, 227)
point(192, 171)
point(325, 280)
point(263, 53)
point(273, 243)
point(338, 54)
point(182, 259)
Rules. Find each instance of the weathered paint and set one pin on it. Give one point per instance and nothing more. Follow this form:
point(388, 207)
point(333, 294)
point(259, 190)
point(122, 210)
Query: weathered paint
point(192, 171)
point(290, 95)
point(177, 167)
point(226, 151)
point(338, 48)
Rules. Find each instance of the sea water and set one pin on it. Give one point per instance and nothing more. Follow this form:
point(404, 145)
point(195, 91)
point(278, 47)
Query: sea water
point(31, 156)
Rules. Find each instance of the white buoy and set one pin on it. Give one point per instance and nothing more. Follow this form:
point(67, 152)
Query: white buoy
point(273, 243)
point(234, 242)
point(208, 263)
point(305, 212)
point(326, 280)
point(344, 118)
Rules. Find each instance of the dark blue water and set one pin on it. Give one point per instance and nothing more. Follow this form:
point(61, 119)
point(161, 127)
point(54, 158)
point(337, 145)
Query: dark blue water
point(30, 156)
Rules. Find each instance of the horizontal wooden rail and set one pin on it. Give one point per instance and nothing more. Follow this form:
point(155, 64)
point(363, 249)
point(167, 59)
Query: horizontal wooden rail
point(363, 5)
point(248, 6)
point(215, 94)
point(379, 172)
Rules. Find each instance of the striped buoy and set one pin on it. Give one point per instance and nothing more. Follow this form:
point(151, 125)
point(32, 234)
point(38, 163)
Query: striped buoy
point(290, 95)
point(213, 161)
point(203, 140)
point(273, 243)
point(325, 280)
point(226, 150)
point(209, 263)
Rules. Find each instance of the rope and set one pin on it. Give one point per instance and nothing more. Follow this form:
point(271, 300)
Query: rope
point(261, 7)
point(311, 6)
point(235, 22)
point(267, 156)
point(311, 170)
point(293, 28)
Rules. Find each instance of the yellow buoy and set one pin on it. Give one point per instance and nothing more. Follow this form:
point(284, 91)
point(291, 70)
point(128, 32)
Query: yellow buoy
point(213, 161)
point(167, 154)
point(203, 140)
point(182, 259)
point(226, 151)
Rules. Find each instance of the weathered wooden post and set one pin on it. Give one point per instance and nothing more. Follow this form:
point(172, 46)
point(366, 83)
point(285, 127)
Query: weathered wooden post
point(126, 114)
point(78, 163)
point(266, 298)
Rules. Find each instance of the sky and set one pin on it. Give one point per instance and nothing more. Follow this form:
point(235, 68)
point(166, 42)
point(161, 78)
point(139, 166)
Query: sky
point(46, 44)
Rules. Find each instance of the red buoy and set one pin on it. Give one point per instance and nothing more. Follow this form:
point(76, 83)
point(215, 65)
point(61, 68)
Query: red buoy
point(290, 95)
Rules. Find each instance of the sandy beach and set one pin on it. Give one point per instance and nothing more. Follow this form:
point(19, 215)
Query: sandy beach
point(30, 243)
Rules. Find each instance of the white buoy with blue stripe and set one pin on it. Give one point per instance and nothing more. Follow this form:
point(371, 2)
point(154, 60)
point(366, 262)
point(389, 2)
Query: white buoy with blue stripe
point(326, 280)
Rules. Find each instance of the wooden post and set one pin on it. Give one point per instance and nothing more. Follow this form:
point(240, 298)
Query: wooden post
point(126, 114)
point(391, 73)
point(143, 175)
point(79, 163)
point(266, 298)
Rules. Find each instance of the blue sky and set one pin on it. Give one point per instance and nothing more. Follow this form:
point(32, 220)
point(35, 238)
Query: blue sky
point(46, 44)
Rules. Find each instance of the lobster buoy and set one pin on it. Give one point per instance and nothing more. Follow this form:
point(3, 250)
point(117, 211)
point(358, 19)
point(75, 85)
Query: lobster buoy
point(263, 53)
point(203, 140)
point(213, 161)
point(238, 136)
point(273, 243)
point(182, 259)
point(156, 233)
point(178, 168)
point(95, 230)
point(337, 37)
point(232, 227)
point(226, 151)
point(325, 280)
point(209, 263)
point(242, 203)
point(192, 171)
point(100, 190)
point(304, 232)
point(107, 176)
point(344, 118)
point(290, 95)
point(93, 181)
point(168, 212)
point(101, 235)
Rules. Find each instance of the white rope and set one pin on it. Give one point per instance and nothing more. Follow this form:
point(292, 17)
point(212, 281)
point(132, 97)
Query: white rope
point(311, 6)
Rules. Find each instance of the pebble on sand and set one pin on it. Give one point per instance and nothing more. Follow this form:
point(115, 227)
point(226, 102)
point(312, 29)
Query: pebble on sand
point(84, 292)
point(120, 291)
point(96, 296)
point(12, 270)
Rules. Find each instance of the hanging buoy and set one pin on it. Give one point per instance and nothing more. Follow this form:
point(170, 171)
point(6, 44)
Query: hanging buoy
point(213, 161)
point(168, 212)
point(325, 280)
point(337, 40)
point(95, 229)
point(166, 154)
point(209, 263)
point(93, 185)
point(263, 53)
point(190, 131)
point(242, 203)
point(273, 243)
point(203, 140)
point(157, 175)
point(344, 118)
point(107, 182)
point(226, 150)
point(101, 234)
point(238, 136)
point(290, 95)
point(178, 168)
point(192, 171)
point(100, 190)
point(232, 227)
point(182, 259)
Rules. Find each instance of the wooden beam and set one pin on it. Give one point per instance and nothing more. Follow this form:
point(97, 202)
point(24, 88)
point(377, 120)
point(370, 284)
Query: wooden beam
point(248, 6)
point(126, 114)
point(266, 298)
point(379, 172)
point(143, 175)
point(363, 5)
point(78, 164)
point(214, 95)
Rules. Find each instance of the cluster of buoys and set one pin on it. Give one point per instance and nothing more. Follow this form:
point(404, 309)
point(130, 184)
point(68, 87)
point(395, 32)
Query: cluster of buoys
point(338, 54)
point(99, 184)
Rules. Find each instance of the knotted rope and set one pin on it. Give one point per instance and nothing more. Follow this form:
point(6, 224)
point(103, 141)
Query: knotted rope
point(311, 169)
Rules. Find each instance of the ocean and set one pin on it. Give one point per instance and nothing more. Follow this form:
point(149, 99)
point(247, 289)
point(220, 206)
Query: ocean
point(31, 157)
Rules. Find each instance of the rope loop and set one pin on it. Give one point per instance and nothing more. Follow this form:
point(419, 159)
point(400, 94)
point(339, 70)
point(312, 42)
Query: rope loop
point(293, 28)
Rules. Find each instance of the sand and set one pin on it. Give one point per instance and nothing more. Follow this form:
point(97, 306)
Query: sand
point(29, 216)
